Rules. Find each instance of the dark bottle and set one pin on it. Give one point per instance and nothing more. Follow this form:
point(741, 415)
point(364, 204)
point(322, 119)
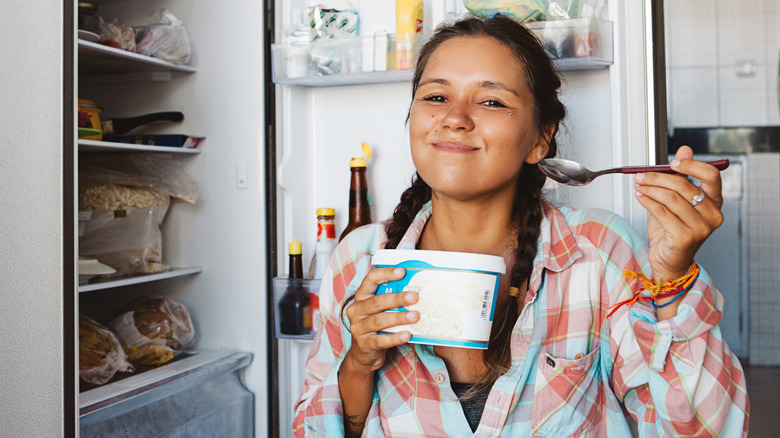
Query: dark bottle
point(359, 210)
point(295, 305)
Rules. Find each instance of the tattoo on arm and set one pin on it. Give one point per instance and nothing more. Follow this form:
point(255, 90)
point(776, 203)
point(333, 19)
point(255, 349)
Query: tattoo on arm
point(351, 423)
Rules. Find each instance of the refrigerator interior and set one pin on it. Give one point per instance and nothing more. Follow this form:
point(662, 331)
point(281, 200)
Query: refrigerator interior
point(223, 234)
point(318, 130)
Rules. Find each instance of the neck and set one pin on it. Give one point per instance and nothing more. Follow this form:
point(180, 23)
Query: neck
point(484, 226)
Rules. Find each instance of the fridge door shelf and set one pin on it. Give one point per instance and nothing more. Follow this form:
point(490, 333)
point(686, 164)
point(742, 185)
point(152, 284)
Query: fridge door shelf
point(576, 44)
point(97, 59)
point(138, 279)
point(284, 320)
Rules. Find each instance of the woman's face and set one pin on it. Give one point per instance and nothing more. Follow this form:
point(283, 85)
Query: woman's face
point(472, 123)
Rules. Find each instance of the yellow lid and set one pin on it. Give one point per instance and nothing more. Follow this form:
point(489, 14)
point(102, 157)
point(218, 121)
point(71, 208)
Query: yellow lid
point(326, 212)
point(360, 161)
point(295, 247)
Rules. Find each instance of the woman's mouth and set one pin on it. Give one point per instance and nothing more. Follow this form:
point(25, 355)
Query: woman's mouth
point(460, 148)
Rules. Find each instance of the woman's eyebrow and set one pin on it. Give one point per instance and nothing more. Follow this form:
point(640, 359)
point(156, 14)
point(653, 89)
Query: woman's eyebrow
point(497, 86)
point(434, 81)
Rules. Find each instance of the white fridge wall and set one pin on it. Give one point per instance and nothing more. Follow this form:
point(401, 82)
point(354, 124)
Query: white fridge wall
point(225, 231)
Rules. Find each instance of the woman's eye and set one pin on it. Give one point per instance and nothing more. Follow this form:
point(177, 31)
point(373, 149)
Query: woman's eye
point(493, 103)
point(435, 98)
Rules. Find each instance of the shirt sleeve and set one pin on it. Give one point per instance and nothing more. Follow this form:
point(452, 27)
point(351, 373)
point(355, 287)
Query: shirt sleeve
point(676, 377)
point(319, 410)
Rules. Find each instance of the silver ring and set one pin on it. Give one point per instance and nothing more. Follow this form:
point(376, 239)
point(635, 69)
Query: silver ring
point(699, 198)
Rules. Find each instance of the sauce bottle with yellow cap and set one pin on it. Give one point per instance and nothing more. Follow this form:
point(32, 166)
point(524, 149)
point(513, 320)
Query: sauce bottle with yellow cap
point(295, 305)
point(359, 210)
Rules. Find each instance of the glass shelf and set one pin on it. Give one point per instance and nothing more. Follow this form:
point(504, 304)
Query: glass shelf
point(576, 44)
point(97, 59)
point(138, 279)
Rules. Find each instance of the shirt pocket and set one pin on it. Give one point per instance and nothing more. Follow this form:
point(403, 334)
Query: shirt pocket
point(567, 395)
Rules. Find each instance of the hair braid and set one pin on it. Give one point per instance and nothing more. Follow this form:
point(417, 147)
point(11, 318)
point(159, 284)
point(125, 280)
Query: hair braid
point(412, 200)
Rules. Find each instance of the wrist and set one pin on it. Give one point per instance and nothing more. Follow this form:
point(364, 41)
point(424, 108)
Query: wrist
point(352, 369)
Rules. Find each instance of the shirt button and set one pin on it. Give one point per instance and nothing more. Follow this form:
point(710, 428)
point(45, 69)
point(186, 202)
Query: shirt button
point(578, 356)
point(439, 378)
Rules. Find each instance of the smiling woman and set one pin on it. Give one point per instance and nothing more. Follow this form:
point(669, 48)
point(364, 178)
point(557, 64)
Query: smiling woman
point(485, 111)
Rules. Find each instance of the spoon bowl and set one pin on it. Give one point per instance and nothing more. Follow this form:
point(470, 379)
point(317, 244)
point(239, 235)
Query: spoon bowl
point(575, 174)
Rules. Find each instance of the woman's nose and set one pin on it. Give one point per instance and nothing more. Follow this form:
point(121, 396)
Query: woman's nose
point(458, 118)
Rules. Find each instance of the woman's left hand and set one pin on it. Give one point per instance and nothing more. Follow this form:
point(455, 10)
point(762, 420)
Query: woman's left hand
point(676, 228)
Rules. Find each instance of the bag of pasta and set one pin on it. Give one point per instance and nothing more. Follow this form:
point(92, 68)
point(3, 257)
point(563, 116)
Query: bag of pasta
point(153, 331)
point(520, 10)
point(100, 353)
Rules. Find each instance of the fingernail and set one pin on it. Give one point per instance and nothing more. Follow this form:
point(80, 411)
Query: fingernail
point(411, 316)
point(637, 194)
point(405, 336)
point(409, 297)
point(398, 271)
point(675, 163)
point(639, 177)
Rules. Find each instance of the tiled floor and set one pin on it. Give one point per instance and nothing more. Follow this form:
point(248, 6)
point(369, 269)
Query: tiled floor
point(764, 393)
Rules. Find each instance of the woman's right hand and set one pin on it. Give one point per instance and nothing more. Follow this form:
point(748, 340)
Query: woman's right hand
point(367, 316)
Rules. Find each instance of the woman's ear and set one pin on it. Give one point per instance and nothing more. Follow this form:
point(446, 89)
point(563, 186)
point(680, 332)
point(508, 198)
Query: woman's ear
point(542, 145)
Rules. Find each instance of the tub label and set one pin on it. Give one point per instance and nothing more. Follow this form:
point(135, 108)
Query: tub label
point(456, 307)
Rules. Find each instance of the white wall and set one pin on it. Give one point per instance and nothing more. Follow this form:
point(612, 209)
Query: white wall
point(722, 62)
point(31, 221)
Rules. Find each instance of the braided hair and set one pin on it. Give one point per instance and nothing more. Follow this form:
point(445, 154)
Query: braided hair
point(543, 81)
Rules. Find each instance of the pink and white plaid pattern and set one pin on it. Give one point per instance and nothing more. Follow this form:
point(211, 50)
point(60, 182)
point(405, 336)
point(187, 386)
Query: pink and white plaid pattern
point(572, 370)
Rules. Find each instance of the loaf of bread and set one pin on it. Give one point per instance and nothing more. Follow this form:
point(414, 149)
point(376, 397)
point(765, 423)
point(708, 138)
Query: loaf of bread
point(154, 330)
point(100, 353)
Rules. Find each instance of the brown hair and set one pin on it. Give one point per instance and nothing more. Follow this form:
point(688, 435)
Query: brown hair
point(543, 81)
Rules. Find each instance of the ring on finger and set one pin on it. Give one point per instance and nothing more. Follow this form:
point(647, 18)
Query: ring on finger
point(699, 198)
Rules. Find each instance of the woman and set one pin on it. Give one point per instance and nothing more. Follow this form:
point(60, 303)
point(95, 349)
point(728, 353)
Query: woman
point(485, 110)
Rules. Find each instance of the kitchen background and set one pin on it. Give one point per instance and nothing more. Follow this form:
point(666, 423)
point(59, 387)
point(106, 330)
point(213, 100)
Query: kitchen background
point(722, 72)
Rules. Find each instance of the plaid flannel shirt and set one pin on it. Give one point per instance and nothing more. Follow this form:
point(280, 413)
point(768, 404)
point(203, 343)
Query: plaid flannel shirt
point(573, 372)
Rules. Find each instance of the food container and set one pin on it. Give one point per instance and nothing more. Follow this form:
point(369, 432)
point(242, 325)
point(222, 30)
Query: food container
point(94, 111)
point(457, 294)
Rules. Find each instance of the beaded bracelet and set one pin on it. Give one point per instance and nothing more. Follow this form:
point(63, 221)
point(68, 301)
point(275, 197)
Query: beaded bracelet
point(676, 288)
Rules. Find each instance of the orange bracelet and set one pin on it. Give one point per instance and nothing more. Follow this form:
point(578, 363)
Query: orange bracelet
point(663, 290)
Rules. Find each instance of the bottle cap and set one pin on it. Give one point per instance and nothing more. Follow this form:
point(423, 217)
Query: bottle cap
point(326, 212)
point(360, 161)
point(295, 247)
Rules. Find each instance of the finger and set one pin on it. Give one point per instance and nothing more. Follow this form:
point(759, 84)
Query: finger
point(381, 303)
point(708, 175)
point(374, 278)
point(388, 340)
point(677, 194)
point(677, 216)
point(377, 322)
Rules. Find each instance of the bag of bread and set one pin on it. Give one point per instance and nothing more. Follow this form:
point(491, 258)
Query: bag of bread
point(100, 353)
point(154, 330)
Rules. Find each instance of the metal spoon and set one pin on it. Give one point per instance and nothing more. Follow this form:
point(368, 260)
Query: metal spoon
point(575, 174)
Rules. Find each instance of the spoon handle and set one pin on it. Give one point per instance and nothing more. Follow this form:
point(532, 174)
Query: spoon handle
point(721, 164)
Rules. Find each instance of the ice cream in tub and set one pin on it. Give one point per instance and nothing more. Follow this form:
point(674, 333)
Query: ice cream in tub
point(457, 294)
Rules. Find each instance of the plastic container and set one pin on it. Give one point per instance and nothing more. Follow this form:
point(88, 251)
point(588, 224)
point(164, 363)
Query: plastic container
point(457, 294)
point(576, 44)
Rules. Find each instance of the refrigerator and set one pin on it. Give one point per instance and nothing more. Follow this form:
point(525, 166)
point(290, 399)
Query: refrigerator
point(320, 120)
point(274, 152)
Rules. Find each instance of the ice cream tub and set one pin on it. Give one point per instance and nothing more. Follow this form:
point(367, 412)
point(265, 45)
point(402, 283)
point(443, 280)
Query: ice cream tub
point(457, 294)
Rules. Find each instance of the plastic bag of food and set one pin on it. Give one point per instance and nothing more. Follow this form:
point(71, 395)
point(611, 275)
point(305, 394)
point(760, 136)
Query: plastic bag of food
point(100, 353)
point(124, 200)
point(166, 39)
point(117, 35)
point(332, 23)
point(154, 330)
point(520, 10)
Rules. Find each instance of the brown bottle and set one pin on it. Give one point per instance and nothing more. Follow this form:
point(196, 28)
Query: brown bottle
point(359, 211)
point(295, 305)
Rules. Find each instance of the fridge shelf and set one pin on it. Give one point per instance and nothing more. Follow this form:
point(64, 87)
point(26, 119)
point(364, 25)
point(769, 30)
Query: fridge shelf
point(138, 390)
point(97, 59)
point(108, 146)
point(138, 279)
point(576, 44)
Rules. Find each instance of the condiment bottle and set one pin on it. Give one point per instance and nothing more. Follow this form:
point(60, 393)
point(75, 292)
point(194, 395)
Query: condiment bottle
point(408, 23)
point(326, 242)
point(359, 210)
point(295, 305)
